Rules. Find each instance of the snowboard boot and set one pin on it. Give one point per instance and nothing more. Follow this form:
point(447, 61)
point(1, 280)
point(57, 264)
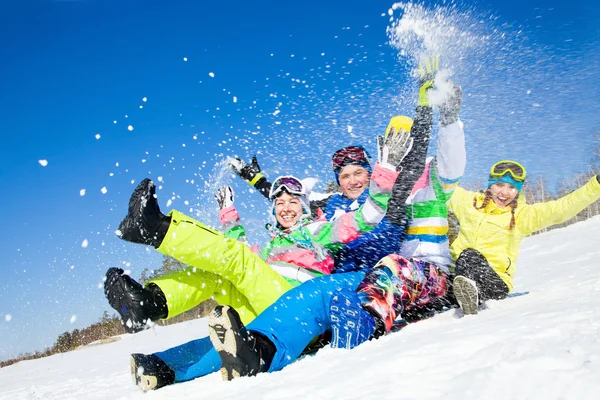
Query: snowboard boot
point(242, 352)
point(144, 223)
point(149, 372)
point(467, 296)
point(351, 323)
point(137, 306)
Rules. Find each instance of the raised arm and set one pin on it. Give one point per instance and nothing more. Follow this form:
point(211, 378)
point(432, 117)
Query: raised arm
point(451, 157)
point(251, 174)
point(414, 162)
point(230, 219)
point(538, 216)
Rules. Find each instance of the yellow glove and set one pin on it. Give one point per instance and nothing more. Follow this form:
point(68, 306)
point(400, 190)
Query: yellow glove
point(427, 70)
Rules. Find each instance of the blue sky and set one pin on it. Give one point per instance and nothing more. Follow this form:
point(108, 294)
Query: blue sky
point(290, 81)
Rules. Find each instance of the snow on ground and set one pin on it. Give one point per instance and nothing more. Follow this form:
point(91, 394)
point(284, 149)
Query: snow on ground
point(544, 345)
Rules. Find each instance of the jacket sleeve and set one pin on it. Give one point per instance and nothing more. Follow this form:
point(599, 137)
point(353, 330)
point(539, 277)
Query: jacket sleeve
point(263, 186)
point(412, 165)
point(450, 160)
point(352, 224)
point(232, 227)
point(460, 199)
point(538, 216)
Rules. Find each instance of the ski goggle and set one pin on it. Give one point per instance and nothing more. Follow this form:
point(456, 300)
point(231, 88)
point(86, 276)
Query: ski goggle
point(516, 170)
point(289, 184)
point(352, 153)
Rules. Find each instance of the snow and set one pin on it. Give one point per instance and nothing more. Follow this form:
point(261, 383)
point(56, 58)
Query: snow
point(43, 163)
point(544, 345)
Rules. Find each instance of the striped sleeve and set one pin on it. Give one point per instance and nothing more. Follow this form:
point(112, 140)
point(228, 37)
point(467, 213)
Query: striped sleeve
point(352, 224)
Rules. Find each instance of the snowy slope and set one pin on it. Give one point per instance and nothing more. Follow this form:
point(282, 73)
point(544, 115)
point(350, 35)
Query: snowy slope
point(545, 345)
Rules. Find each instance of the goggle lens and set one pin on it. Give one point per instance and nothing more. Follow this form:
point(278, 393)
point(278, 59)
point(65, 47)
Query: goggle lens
point(289, 184)
point(502, 168)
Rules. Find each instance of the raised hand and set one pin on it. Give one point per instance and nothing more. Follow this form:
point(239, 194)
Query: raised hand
point(394, 147)
point(451, 107)
point(427, 70)
point(224, 197)
point(250, 173)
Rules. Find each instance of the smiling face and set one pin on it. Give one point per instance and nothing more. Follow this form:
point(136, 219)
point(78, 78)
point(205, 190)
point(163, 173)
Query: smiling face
point(503, 193)
point(353, 179)
point(288, 210)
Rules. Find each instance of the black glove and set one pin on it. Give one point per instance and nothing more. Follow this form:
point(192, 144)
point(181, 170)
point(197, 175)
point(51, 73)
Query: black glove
point(250, 173)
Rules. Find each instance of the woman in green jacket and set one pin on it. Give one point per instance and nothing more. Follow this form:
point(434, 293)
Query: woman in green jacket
point(492, 225)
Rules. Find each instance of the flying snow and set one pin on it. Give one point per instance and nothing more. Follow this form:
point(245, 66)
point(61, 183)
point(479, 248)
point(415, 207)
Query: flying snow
point(85, 243)
point(104, 190)
point(43, 163)
point(7, 317)
point(211, 74)
point(97, 136)
point(130, 128)
point(82, 192)
point(73, 318)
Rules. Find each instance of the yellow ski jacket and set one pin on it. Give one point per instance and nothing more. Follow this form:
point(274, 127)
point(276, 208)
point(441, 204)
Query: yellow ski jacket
point(487, 230)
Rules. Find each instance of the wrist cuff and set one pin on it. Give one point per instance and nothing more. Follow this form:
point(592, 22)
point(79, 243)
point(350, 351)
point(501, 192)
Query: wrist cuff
point(256, 178)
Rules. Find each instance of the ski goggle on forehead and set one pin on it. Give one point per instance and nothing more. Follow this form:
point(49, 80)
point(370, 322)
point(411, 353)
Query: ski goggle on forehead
point(352, 153)
point(504, 167)
point(289, 184)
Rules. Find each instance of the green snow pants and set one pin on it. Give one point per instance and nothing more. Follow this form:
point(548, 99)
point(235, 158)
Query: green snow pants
point(219, 267)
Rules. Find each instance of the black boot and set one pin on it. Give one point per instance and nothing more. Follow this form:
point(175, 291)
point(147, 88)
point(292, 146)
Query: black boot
point(144, 223)
point(136, 305)
point(242, 352)
point(149, 372)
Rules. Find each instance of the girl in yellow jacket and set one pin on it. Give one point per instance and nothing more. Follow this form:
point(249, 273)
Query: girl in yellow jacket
point(492, 225)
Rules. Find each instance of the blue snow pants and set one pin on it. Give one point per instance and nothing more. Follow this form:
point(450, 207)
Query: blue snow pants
point(290, 323)
point(301, 314)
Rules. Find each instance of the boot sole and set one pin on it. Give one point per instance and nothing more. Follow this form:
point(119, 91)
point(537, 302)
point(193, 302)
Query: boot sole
point(466, 296)
point(137, 203)
point(222, 327)
point(145, 382)
point(131, 321)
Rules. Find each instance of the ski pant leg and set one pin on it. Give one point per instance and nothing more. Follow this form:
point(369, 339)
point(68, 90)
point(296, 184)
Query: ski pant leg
point(398, 285)
point(300, 315)
point(473, 265)
point(206, 249)
point(186, 289)
point(192, 359)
